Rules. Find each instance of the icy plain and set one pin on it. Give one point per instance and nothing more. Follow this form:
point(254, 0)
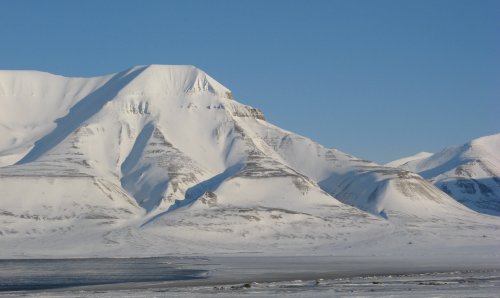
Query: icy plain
point(253, 276)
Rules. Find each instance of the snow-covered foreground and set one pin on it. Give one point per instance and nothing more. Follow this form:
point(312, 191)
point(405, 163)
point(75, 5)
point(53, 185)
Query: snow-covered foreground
point(254, 277)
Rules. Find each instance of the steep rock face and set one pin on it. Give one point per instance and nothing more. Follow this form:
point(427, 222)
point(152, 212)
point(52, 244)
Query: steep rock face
point(470, 173)
point(159, 157)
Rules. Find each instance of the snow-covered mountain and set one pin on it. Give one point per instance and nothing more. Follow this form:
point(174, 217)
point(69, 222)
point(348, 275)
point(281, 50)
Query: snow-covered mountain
point(161, 159)
point(470, 173)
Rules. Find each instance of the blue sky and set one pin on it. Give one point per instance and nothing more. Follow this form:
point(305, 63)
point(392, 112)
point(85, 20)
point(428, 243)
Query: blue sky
point(377, 79)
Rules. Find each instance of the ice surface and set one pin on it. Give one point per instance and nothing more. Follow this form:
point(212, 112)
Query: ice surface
point(253, 276)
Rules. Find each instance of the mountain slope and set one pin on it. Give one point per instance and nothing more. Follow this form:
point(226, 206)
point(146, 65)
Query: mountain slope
point(160, 159)
point(377, 189)
point(470, 173)
point(401, 161)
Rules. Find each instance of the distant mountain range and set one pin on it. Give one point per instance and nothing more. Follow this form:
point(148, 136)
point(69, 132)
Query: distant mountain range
point(161, 159)
point(470, 173)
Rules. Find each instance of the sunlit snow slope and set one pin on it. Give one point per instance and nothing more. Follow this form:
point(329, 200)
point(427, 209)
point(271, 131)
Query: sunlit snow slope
point(160, 159)
point(470, 173)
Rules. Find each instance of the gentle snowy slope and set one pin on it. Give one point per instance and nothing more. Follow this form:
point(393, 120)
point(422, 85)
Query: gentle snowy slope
point(470, 173)
point(399, 162)
point(160, 159)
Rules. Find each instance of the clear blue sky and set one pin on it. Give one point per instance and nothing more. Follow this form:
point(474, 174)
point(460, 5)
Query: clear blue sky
point(377, 79)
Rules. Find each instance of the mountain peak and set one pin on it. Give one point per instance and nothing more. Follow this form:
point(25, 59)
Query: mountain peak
point(158, 78)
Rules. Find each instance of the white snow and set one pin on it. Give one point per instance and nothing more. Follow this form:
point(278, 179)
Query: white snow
point(160, 159)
